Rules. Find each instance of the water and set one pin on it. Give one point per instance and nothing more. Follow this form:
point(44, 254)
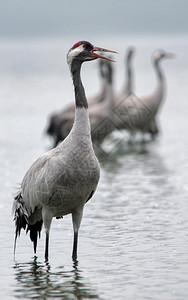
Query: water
point(133, 239)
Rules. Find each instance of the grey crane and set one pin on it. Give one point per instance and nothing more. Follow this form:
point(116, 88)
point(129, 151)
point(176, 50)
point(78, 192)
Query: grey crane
point(62, 180)
point(138, 114)
point(153, 102)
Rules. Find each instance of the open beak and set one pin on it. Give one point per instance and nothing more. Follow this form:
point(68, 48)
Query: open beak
point(96, 55)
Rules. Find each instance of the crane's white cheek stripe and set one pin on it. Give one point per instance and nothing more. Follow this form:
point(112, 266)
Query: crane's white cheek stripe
point(73, 53)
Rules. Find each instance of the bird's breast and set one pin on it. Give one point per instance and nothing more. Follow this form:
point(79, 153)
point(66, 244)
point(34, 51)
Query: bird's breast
point(79, 177)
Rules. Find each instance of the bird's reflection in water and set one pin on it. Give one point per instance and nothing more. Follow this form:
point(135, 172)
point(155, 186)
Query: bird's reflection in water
point(35, 280)
point(115, 148)
point(139, 155)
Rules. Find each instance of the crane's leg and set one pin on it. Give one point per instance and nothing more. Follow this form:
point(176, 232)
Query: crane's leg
point(76, 219)
point(75, 244)
point(47, 246)
point(47, 219)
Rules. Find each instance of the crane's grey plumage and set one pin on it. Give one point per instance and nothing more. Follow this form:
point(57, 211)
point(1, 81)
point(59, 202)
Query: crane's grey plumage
point(65, 178)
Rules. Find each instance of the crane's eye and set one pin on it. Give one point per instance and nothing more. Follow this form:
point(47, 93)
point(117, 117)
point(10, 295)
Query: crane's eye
point(84, 46)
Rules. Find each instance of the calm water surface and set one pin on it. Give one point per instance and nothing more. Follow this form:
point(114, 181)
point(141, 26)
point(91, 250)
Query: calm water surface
point(133, 238)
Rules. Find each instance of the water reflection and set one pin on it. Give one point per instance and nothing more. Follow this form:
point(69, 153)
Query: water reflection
point(37, 281)
point(123, 149)
point(137, 164)
point(113, 148)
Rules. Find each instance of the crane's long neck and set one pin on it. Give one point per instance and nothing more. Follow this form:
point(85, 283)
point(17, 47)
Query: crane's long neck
point(128, 88)
point(103, 90)
point(160, 88)
point(80, 97)
point(81, 121)
point(160, 76)
point(159, 72)
point(109, 95)
point(103, 82)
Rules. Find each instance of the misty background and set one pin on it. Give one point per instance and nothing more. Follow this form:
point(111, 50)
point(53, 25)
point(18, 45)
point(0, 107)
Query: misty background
point(88, 18)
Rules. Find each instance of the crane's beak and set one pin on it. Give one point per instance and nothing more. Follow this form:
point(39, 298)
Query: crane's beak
point(96, 55)
point(170, 55)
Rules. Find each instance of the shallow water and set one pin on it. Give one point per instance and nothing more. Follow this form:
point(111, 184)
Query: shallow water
point(133, 241)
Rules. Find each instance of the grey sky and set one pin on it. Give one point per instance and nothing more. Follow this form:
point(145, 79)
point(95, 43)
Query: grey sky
point(62, 17)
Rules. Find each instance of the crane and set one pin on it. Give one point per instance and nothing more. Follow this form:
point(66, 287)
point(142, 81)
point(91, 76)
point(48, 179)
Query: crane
point(138, 114)
point(62, 180)
point(154, 101)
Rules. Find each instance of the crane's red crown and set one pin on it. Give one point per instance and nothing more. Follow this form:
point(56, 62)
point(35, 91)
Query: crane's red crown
point(85, 45)
point(77, 44)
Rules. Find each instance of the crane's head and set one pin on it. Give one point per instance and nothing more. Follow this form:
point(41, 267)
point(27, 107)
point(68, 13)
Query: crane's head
point(160, 54)
point(85, 51)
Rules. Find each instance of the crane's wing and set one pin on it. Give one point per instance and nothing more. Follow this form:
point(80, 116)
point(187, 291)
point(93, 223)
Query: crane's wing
point(39, 183)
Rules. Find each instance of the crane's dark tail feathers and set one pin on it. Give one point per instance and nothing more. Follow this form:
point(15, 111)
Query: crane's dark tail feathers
point(35, 230)
point(20, 216)
point(21, 221)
